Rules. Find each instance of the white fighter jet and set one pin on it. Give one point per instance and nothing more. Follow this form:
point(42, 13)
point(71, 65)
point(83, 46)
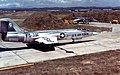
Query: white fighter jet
point(11, 32)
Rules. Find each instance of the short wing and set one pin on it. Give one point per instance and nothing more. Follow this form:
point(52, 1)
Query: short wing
point(47, 40)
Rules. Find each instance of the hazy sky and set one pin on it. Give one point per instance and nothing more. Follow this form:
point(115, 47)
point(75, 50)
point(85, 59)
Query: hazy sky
point(57, 3)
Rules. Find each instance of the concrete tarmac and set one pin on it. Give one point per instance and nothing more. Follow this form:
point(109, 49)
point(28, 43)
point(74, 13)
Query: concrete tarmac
point(12, 54)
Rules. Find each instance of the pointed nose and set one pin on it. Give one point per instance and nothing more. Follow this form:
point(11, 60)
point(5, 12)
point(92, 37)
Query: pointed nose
point(95, 33)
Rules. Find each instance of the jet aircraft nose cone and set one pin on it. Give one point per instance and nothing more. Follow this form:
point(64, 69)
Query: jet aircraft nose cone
point(95, 33)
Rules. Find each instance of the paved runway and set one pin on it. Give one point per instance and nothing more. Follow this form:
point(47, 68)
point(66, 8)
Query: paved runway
point(20, 54)
point(12, 54)
point(17, 53)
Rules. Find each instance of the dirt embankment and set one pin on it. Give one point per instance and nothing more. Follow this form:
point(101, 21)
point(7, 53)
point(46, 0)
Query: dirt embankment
point(44, 21)
point(54, 20)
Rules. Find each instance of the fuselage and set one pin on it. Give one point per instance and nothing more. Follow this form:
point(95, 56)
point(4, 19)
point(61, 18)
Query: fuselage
point(11, 32)
point(29, 37)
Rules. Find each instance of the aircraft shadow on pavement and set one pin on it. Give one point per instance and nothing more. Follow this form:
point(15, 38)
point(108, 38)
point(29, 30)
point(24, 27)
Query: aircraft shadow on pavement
point(60, 44)
point(41, 47)
point(12, 49)
point(51, 47)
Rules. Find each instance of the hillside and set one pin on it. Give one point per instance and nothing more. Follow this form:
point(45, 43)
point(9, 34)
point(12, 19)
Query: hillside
point(44, 21)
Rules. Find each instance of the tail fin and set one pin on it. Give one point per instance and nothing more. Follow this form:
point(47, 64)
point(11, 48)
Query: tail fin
point(7, 25)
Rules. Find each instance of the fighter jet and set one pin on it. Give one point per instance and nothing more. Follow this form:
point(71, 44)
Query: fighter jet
point(11, 32)
point(84, 20)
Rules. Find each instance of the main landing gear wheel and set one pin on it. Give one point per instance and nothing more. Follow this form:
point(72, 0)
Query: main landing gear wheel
point(62, 35)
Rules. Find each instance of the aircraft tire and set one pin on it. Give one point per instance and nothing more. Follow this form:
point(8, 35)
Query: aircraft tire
point(62, 35)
